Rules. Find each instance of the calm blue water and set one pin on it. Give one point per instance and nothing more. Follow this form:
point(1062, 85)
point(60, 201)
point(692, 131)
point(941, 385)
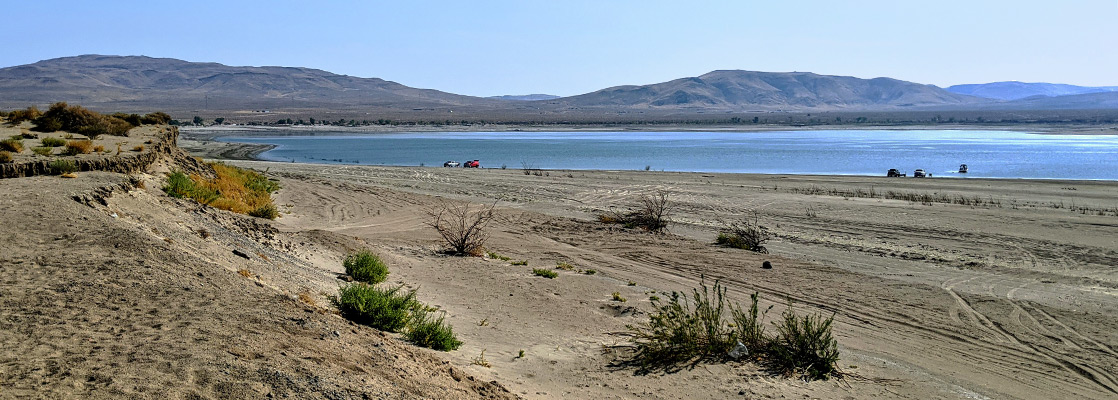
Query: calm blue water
point(989, 154)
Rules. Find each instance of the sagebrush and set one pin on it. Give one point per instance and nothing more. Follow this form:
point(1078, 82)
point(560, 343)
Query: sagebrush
point(705, 326)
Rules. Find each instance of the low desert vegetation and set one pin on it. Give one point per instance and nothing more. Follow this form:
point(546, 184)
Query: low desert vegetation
point(42, 151)
point(390, 309)
point(706, 327)
point(546, 273)
point(653, 213)
point(461, 226)
point(77, 119)
point(75, 147)
point(233, 189)
point(617, 297)
point(138, 148)
point(5, 157)
point(480, 360)
point(519, 263)
point(63, 167)
point(747, 234)
point(564, 266)
point(432, 333)
point(496, 256)
point(365, 266)
point(53, 142)
point(387, 309)
point(12, 145)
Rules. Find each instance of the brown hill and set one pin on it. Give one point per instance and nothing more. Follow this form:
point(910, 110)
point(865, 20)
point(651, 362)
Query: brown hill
point(175, 84)
point(748, 90)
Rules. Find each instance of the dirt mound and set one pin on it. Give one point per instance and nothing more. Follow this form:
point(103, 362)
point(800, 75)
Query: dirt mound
point(128, 293)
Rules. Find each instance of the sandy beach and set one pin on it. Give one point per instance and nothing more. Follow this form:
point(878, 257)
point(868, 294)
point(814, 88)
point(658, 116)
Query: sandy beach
point(940, 288)
point(1010, 296)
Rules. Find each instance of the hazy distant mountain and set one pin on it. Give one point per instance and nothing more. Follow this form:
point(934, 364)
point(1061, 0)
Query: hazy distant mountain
point(738, 90)
point(171, 83)
point(1086, 101)
point(525, 97)
point(1014, 90)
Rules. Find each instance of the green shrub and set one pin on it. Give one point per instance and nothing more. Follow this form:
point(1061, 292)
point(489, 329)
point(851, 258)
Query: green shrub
point(804, 346)
point(268, 211)
point(590, 272)
point(42, 151)
point(546, 273)
point(432, 333)
point(749, 327)
point(12, 145)
point(385, 309)
point(233, 189)
point(181, 186)
point(365, 266)
point(684, 329)
point(60, 167)
point(498, 256)
point(53, 142)
point(521, 262)
point(5, 157)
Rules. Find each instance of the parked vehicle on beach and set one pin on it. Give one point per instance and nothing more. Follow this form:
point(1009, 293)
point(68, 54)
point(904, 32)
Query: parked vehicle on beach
point(962, 168)
point(894, 173)
point(918, 173)
point(473, 164)
point(451, 164)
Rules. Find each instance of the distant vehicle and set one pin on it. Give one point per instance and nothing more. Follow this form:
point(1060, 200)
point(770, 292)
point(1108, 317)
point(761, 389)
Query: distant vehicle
point(894, 173)
point(962, 168)
point(473, 164)
point(451, 164)
point(918, 173)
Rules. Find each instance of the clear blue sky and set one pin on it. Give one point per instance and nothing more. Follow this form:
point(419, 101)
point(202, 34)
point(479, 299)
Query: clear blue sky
point(569, 47)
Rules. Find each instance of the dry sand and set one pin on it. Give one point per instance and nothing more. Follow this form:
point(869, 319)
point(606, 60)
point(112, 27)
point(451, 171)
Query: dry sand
point(1010, 298)
point(1013, 297)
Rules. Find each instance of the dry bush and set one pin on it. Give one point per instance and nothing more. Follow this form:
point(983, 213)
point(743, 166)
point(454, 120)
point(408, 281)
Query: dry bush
point(29, 114)
point(156, 118)
point(12, 145)
point(653, 213)
point(138, 148)
point(42, 151)
point(462, 226)
point(77, 119)
point(5, 157)
point(99, 148)
point(245, 273)
point(75, 147)
point(748, 234)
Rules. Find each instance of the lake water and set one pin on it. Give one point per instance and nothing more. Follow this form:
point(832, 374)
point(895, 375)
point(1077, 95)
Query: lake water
point(988, 153)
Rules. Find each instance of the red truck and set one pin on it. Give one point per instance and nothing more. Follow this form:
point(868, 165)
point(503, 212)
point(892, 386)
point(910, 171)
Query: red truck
point(472, 164)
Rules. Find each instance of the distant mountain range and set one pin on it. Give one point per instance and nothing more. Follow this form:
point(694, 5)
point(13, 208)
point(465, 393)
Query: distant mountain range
point(742, 90)
point(1014, 90)
point(166, 82)
point(137, 83)
point(526, 97)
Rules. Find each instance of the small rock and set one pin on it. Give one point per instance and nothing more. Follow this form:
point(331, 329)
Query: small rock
point(114, 215)
point(766, 265)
